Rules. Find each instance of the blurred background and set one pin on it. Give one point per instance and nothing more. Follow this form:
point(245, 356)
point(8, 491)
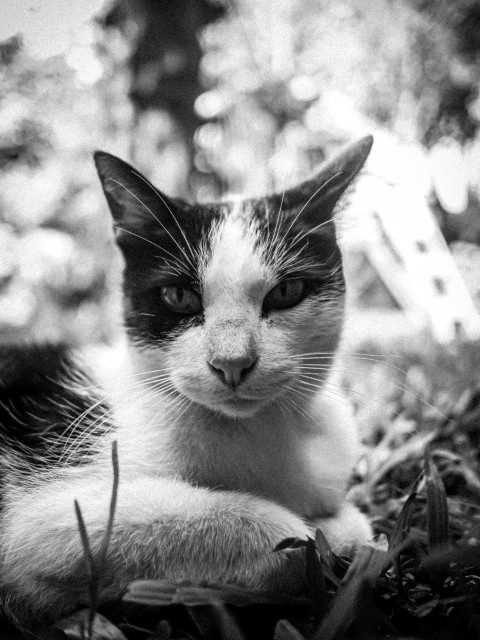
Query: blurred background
point(217, 97)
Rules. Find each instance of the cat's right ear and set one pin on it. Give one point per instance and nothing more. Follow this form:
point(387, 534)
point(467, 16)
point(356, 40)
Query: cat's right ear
point(134, 202)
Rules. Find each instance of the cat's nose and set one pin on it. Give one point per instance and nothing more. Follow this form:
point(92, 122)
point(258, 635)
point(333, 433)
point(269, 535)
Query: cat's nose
point(233, 371)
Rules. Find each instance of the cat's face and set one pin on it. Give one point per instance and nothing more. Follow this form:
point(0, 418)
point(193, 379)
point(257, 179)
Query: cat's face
point(240, 304)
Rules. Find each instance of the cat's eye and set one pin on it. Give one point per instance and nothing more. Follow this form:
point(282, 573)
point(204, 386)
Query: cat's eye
point(285, 295)
point(181, 300)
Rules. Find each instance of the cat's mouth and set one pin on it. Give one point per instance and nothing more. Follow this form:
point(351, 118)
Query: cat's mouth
point(240, 407)
point(234, 404)
point(240, 402)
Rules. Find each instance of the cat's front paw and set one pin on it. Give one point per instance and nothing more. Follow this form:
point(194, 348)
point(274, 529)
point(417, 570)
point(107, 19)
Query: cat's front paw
point(347, 531)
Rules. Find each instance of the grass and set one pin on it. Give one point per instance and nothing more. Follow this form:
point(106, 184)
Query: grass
point(95, 564)
point(419, 481)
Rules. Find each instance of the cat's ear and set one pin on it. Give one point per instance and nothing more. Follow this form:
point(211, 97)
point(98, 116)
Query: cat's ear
point(316, 198)
point(133, 200)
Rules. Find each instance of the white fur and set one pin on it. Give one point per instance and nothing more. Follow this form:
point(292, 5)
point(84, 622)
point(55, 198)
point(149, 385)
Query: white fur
point(211, 478)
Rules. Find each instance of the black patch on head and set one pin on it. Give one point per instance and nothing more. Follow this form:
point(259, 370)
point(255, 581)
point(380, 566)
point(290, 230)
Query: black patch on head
point(300, 221)
point(160, 237)
point(172, 262)
point(39, 407)
point(310, 240)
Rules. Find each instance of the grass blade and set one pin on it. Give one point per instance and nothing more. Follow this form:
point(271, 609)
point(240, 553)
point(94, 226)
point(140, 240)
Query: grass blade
point(94, 568)
point(162, 593)
point(315, 581)
point(113, 506)
point(437, 510)
point(226, 623)
point(402, 525)
point(351, 598)
point(286, 631)
point(323, 547)
point(290, 543)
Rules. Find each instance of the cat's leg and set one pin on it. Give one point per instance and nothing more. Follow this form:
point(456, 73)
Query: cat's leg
point(163, 528)
point(347, 530)
point(337, 449)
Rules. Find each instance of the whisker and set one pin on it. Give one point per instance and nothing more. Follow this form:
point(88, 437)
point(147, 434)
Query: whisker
point(326, 385)
point(333, 356)
point(310, 199)
point(304, 234)
point(353, 353)
point(296, 407)
point(276, 230)
point(182, 251)
point(187, 406)
point(147, 240)
point(159, 195)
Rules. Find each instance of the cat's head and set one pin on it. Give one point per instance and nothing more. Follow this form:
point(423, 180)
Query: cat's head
point(236, 304)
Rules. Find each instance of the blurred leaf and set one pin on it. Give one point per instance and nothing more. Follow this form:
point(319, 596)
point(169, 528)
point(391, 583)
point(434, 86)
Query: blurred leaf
point(315, 581)
point(420, 610)
point(323, 547)
point(291, 543)
point(226, 623)
point(472, 536)
point(286, 631)
point(163, 631)
point(352, 599)
point(402, 525)
point(461, 555)
point(330, 561)
point(161, 593)
point(437, 509)
point(74, 627)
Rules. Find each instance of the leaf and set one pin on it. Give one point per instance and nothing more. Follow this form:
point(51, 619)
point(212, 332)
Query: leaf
point(10, 632)
point(368, 618)
point(323, 547)
point(161, 593)
point(315, 581)
point(425, 608)
point(413, 449)
point(87, 551)
point(286, 631)
point(163, 631)
point(226, 623)
point(472, 536)
point(94, 568)
point(113, 505)
point(102, 628)
point(437, 510)
point(331, 563)
point(463, 555)
point(353, 594)
point(290, 543)
point(402, 525)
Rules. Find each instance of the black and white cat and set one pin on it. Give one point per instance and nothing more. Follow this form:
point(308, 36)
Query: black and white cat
point(227, 444)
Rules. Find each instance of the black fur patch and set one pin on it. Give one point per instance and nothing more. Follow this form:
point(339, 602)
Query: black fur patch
point(314, 244)
point(173, 262)
point(39, 402)
point(155, 257)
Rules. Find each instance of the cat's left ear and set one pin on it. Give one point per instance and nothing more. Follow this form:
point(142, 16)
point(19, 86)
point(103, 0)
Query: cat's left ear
point(316, 198)
point(133, 200)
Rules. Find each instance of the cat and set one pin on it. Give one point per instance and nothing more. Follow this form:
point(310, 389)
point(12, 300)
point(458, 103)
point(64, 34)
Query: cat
point(228, 442)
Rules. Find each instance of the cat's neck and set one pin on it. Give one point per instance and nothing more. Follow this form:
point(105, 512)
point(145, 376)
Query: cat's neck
point(273, 453)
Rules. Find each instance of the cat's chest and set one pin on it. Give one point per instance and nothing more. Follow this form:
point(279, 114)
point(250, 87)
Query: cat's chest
point(270, 459)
